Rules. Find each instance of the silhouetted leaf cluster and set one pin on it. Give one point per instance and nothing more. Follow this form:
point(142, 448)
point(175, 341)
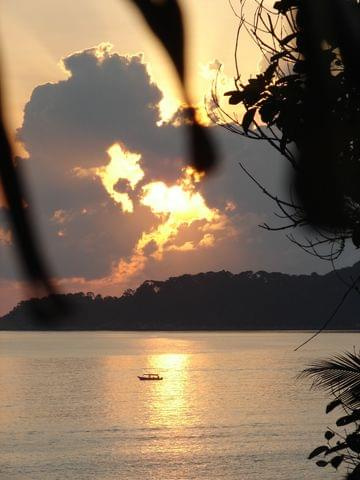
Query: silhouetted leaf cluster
point(306, 104)
point(340, 375)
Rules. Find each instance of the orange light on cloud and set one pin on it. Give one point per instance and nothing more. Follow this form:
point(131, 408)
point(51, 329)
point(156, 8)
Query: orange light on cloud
point(123, 165)
point(177, 206)
point(5, 236)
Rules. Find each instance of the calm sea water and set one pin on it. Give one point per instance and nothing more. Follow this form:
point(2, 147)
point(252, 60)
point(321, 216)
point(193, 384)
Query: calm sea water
point(71, 406)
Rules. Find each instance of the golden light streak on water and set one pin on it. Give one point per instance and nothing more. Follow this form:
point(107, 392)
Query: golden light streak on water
point(168, 402)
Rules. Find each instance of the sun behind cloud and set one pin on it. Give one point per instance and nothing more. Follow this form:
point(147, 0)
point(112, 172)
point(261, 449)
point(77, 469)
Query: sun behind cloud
point(124, 165)
point(177, 206)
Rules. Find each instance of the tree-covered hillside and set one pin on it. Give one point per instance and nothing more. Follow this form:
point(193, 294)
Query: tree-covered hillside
point(213, 300)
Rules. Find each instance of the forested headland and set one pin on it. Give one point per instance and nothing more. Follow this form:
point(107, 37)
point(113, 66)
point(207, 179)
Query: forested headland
point(206, 301)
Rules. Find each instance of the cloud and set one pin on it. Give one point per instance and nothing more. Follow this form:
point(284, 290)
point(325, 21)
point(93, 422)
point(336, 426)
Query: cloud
point(115, 204)
point(107, 178)
point(123, 165)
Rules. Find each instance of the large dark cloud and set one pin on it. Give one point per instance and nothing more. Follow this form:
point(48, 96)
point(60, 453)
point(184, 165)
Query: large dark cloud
point(108, 99)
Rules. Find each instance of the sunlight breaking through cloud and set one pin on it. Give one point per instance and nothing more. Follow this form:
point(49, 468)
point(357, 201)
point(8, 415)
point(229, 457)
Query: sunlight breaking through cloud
point(177, 206)
point(123, 165)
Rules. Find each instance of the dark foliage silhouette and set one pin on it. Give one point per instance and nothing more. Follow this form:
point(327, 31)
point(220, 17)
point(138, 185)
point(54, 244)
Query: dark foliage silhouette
point(20, 217)
point(166, 21)
point(340, 376)
point(306, 104)
point(208, 301)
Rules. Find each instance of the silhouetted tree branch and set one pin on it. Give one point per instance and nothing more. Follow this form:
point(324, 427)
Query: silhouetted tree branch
point(306, 105)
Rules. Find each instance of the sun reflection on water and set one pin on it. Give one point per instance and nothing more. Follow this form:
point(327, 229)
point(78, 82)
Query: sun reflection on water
point(168, 399)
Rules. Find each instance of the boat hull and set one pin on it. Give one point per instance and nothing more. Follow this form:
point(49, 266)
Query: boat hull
point(150, 379)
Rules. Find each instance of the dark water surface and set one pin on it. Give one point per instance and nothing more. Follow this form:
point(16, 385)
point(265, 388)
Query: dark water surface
point(71, 406)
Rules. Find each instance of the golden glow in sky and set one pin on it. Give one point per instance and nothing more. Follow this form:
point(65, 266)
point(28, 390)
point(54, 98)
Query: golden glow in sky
point(177, 206)
point(123, 165)
point(183, 219)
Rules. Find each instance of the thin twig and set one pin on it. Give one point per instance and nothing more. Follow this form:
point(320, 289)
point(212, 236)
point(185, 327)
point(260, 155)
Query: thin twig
point(325, 324)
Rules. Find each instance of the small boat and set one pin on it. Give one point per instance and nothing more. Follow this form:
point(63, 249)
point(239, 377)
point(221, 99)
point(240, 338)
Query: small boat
point(150, 376)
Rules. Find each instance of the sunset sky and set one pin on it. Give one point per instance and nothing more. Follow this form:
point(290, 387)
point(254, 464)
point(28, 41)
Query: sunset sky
point(88, 95)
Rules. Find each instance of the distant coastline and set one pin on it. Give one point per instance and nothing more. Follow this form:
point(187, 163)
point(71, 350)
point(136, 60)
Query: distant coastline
point(59, 330)
point(212, 301)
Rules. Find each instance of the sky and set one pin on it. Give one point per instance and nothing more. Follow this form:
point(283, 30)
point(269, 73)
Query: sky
point(89, 96)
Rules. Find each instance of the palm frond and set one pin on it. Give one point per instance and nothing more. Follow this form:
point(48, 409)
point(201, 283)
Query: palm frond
point(339, 375)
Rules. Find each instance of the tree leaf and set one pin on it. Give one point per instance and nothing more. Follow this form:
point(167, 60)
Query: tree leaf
point(165, 20)
point(247, 119)
point(321, 463)
point(330, 406)
point(318, 450)
point(269, 72)
point(284, 5)
point(268, 110)
point(202, 148)
point(345, 420)
point(353, 441)
point(235, 97)
point(329, 435)
point(336, 461)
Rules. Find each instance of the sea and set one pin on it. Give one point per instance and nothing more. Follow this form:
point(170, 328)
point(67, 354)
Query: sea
point(229, 406)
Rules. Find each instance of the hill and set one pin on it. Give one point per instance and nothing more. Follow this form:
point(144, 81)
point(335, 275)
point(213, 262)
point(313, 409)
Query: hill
point(206, 301)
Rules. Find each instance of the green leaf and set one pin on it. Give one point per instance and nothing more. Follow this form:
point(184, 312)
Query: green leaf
point(317, 451)
point(248, 118)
